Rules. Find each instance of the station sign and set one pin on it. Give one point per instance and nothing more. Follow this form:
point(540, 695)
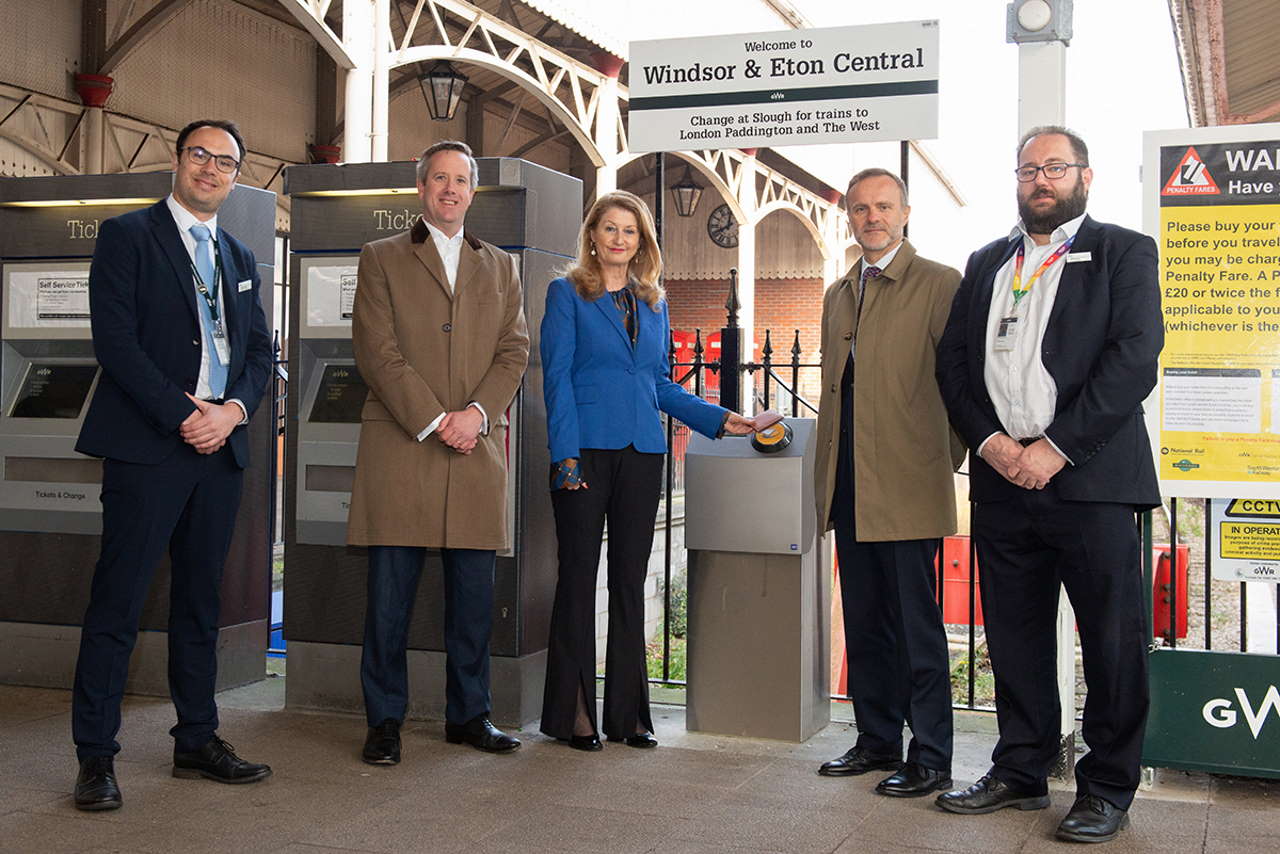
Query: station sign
point(794, 87)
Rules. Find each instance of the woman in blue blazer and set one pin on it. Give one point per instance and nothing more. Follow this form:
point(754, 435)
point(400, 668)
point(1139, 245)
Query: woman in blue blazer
point(605, 340)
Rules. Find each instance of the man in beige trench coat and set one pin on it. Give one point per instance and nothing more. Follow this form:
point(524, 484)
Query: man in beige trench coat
point(440, 337)
point(884, 479)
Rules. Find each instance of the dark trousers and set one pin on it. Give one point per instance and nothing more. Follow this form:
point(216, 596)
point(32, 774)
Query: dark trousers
point(187, 504)
point(894, 641)
point(1026, 546)
point(623, 487)
point(468, 621)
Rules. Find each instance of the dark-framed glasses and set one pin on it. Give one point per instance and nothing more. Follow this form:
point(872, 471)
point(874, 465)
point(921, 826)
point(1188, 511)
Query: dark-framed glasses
point(225, 162)
point(1052, 171)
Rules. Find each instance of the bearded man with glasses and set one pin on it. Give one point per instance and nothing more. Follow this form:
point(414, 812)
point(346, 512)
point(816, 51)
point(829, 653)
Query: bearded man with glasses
point(180, 333)
point(1049, 351)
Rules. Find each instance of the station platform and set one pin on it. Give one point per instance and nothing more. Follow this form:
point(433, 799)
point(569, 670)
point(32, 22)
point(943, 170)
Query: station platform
point(693, 795)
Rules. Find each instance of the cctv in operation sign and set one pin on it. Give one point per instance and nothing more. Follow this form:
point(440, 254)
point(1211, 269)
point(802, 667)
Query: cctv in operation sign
point(795, 87)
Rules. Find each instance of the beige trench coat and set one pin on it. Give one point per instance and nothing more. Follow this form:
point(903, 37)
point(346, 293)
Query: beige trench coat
point(905, 453)
point(424, 350)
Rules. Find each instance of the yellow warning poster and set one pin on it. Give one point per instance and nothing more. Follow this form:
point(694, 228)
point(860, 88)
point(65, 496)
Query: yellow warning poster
point(1245, 539)
point(1219, 394)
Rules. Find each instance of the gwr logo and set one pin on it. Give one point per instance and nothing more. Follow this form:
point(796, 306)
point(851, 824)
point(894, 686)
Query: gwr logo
point(1219, 712)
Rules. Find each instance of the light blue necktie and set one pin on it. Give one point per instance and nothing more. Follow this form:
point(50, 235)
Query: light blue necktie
point(204, 266)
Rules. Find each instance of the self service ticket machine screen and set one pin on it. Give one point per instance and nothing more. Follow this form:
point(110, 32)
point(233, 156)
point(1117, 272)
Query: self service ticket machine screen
point(53, 390)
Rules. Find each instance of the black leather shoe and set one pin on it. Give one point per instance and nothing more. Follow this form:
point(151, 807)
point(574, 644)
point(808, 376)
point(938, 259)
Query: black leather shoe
point(642, 740)
point(585, 742)
point(482, 734)
point(217, 760)
point(382, 744)
point(988, 795)
point(914, 780)
point(856, 760)
point(96, 786)
point(1092, 819)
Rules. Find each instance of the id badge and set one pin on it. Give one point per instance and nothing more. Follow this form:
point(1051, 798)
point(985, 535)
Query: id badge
point(220, 345)
point(1006, 333)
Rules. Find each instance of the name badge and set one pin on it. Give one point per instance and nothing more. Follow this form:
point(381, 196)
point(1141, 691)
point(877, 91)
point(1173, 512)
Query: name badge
point(247, 285)
point(1079, 256)
point(220, 345)
point(1006, 331)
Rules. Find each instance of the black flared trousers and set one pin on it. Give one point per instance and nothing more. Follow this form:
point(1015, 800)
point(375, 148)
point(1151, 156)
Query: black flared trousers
point(623, 488)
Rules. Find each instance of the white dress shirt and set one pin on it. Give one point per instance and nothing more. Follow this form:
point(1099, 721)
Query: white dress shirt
point(450, 250)
point(185, 219)
point(1021, 388)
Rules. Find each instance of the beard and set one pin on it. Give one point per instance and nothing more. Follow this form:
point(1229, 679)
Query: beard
point(1065, 209)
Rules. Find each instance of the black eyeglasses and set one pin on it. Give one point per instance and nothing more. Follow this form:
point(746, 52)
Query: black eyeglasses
point(225, 162)
point(1052, 171)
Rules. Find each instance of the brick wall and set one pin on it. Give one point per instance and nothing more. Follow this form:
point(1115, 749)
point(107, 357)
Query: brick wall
point(782, 306)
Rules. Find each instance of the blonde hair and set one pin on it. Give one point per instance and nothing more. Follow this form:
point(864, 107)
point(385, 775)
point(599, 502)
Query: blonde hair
point(586, 273)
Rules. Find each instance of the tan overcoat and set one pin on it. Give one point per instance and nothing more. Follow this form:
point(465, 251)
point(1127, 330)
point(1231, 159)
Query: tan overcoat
point(424, 350)
point(904, 451)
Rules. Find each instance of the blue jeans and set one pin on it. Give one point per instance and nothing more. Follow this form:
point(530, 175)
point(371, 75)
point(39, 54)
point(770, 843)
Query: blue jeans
point(468, 620)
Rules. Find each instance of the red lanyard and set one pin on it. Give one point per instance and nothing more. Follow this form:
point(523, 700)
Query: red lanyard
point(1020, 292)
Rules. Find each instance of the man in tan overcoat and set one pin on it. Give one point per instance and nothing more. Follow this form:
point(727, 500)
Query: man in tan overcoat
point(440, 338)
point(885, 462)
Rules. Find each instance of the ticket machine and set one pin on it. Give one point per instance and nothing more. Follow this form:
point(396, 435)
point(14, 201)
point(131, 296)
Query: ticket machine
point(50, 512)
point(533, 213)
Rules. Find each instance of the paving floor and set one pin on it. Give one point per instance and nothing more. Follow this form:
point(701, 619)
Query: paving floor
point(693, 795)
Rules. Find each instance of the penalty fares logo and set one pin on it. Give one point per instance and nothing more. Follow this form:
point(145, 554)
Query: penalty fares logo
point(1190, 178)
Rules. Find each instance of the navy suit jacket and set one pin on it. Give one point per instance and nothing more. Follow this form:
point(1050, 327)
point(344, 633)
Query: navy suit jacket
point(602, 393)
point(147, 337)
point(1101, 347)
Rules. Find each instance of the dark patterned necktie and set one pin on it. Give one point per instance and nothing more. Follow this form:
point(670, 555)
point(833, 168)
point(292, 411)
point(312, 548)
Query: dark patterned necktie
point(867, 273)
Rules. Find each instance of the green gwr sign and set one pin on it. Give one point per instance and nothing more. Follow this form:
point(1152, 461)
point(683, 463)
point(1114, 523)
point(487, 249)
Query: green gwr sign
point(1214, 711)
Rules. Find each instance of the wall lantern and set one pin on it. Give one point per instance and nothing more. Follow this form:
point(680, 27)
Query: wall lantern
point(442, 86)
point(687, 193)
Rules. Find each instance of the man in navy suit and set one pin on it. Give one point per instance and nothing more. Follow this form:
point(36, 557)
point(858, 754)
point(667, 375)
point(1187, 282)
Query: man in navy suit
point(1049, 351)
point(179, 331)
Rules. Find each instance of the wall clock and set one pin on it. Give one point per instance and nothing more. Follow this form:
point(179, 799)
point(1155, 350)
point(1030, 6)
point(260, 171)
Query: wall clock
point(723, 228)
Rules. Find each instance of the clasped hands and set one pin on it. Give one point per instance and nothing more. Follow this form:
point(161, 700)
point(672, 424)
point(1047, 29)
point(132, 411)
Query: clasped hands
point(1030, 467)
point(207, 428)
point(460, 430)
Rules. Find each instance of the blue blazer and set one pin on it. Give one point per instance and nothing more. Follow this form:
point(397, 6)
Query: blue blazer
point(147, 337)
point(602, 393)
